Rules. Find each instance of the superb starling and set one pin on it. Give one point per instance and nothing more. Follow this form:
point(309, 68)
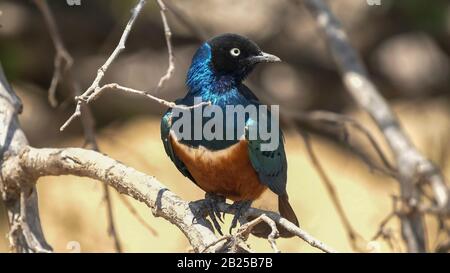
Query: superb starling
point(237, 169)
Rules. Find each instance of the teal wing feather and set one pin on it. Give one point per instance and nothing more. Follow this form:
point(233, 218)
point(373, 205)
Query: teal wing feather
point(271, 166)
point(166, 124)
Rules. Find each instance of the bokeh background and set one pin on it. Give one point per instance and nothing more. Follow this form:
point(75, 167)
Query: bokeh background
point(405, 44)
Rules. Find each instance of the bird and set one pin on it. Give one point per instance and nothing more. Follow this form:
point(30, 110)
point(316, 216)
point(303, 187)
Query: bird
point(236, 169)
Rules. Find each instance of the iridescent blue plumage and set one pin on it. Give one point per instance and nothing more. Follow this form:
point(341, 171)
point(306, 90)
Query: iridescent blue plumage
point(215, 78)
point(223, 90)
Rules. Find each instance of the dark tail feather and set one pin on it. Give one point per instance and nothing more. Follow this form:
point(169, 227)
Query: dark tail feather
point(286, 211)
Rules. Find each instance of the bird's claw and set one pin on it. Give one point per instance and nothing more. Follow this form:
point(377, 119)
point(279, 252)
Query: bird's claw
point(240, 208)
point(210, 208)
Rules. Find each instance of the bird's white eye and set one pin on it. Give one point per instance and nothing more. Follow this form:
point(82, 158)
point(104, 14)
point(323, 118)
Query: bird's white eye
point(235, 52)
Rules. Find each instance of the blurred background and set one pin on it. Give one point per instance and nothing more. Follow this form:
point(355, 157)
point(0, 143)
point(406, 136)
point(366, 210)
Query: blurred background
point(404, 43)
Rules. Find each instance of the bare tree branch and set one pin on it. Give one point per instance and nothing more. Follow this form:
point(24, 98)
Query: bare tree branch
point(144, 188)
point(17, 192)
point(412, 165)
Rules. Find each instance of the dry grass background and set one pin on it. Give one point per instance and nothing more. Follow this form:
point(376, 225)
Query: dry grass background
point(72, 208)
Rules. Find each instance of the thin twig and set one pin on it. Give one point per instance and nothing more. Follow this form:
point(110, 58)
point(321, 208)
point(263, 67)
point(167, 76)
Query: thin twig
point(357, 242)
point(383, 224)
point(136, 215)
point(63, 61)
point(94, 91)
point(342, 120)
point(119, 48)
point(386, 233)
point(245, 230)
point(112, 231)
point(168, 35)
point(241, 236)
point(90, 93)
point(147, 95)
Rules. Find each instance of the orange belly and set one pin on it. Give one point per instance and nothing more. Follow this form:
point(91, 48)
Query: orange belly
point(227, 172)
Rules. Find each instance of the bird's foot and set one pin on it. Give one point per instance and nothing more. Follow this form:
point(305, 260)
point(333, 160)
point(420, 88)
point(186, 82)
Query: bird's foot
point(240, 208)
point(210, 208)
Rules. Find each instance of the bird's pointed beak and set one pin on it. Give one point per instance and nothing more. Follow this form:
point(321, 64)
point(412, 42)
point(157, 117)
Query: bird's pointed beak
point(264, 57)
point(268, 58)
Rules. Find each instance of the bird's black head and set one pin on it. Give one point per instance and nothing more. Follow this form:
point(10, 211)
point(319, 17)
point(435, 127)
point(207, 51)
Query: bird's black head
point(235, 55)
